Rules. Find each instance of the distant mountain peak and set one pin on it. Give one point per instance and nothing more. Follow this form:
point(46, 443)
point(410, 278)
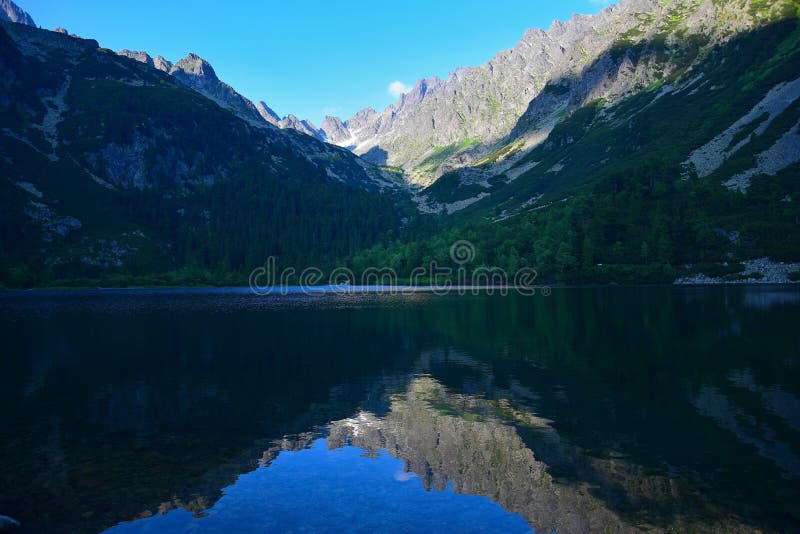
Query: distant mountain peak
point(138, 55)
point(162, 64)
point(196, 73)
point(13, 13)
point(303, 126)
point(267, 113)
point(141, 56)
point(335, 130)
point(194, 65)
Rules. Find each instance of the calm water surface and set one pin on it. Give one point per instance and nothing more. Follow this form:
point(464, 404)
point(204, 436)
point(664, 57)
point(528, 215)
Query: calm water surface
point(614, 409)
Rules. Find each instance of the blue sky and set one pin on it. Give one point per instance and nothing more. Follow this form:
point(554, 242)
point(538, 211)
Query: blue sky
point(310, 57)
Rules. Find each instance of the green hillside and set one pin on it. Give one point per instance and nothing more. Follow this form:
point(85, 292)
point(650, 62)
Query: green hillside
point(611, 198)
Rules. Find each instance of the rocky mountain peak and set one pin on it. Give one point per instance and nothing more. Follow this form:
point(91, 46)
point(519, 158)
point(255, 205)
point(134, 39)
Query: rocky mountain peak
point(335, 130)
point(11, 12)
point(162, 64)
point(196, 73)
point(267, 113)
point(194, 65)
point(363, 123)
point(577, 60)
point(143, 57)
point(137, 55)
point(419, 91)
point(364, 114)
point(301, 125)
point(290, 121)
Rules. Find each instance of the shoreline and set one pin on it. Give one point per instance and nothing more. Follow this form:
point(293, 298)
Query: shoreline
point(542, 290)
point(756, 271)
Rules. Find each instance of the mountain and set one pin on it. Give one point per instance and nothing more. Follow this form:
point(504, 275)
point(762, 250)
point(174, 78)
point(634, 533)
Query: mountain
point(290, 121)
point(654, 74)
point(198, 74)
point(267, 114)
point(335, 130)
point(302, 126)
point(673, 155)
point(444, 124)
point(655, 141)
point(112, 167)
point(11, 12)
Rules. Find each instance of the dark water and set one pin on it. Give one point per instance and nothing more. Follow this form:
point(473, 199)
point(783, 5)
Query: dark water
point(590, 410)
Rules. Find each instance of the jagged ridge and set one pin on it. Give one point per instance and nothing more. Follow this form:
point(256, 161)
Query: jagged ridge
point(444, 124)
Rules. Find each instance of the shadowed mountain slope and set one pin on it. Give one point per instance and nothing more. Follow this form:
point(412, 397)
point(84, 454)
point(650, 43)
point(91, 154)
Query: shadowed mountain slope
point(110, 166)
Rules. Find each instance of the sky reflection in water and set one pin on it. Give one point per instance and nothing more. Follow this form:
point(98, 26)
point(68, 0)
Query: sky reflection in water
point(323, 490)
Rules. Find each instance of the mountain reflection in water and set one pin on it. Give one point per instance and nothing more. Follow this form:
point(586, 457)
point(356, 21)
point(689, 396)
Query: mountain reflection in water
point(592, 410)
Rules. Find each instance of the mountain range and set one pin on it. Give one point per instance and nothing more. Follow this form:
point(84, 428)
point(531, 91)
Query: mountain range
point(519, 96)
point(657, 140)
point(198, 74)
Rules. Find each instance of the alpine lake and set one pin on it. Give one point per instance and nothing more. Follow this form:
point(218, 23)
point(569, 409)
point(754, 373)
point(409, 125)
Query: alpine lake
point(613, 409)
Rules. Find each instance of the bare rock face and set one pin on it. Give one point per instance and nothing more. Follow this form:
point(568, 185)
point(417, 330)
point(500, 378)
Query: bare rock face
point(140, 56)
point(162, 64)
point(335, 130)
point(289, 122)
point(194, 70)
point(526, 89)
point(267, 114)
point(303, 126)
point(11, 12)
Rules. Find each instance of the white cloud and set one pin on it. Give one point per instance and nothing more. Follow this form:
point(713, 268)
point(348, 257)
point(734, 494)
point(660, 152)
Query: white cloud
point(397, 88)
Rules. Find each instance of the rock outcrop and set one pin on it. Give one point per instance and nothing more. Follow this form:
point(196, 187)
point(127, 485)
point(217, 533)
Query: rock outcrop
point(267, 114)
point(302, 126)
point(198, 74)
point(13, 13)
